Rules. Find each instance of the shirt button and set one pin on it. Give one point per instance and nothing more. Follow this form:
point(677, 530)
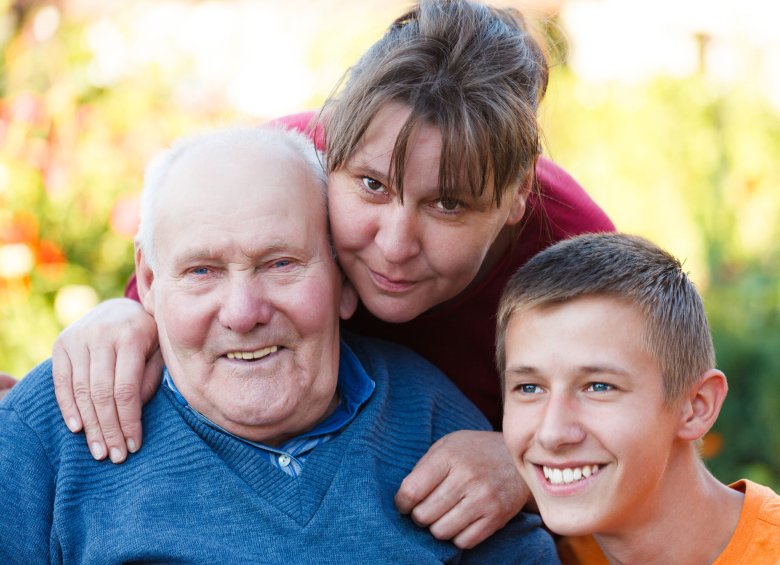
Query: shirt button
point(284, 460)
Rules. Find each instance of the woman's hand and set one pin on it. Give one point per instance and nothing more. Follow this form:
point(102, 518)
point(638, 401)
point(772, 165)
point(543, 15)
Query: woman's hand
point(106, 366)
point(464, 489)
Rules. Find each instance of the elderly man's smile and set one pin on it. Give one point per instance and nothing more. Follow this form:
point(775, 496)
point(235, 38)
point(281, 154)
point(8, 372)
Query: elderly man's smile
point(252, 355)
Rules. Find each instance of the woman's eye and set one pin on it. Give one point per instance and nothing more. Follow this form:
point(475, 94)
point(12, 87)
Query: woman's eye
point(600, 387)
point(449, 204)
point(373, 185)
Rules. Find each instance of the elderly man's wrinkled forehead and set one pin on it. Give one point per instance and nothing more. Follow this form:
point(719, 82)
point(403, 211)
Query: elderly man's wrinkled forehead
point(231, 165)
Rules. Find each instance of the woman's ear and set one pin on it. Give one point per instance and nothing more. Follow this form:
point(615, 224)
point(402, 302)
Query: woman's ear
point(519, 195)
point(144, 278)
point(702, 404)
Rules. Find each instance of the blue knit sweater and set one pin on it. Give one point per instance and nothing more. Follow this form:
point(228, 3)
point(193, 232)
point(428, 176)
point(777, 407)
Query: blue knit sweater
point(195, 495)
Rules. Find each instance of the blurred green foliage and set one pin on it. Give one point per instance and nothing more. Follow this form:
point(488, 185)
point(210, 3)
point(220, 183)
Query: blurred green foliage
point(689, 163)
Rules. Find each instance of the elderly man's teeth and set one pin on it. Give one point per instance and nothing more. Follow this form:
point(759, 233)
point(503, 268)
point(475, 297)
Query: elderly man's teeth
point(249, 355)
point(568, 475)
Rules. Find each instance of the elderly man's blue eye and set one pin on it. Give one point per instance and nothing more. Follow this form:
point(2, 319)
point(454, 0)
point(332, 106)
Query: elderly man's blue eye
point(200, 271)
point(281, 263)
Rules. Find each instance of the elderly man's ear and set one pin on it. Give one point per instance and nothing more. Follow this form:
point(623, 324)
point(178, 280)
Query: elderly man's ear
point(349, 299)
point(143, 279)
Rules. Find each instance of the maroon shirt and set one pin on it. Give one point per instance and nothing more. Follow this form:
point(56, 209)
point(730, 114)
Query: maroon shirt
point(459, 337)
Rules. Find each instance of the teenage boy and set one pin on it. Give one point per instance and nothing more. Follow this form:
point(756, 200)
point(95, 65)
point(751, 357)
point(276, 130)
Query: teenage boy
point(607, 362)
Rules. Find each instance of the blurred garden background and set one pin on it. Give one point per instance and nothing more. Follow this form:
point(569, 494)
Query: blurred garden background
point(668, 112)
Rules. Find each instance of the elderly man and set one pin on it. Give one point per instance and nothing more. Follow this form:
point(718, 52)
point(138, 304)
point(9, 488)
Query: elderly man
point(273, 439)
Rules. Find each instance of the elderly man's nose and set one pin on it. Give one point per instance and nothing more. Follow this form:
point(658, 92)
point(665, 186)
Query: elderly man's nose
point(244, 307)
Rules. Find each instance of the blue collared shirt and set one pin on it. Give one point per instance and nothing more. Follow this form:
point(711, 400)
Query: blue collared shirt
point(354, 388)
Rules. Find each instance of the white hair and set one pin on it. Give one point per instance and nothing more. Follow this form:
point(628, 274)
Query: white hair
point(253, 137)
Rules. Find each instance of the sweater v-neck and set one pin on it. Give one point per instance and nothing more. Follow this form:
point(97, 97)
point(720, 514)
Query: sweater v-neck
point(298, 498)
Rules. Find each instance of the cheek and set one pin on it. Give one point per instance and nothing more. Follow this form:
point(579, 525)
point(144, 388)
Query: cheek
point(186, 321)
point(311, 306)
point(454, 255)
point(350, 220)
point(517, 429)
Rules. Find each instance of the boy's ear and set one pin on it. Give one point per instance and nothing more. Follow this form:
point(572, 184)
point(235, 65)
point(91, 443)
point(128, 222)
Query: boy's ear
point(701, 406)
point(144, 277)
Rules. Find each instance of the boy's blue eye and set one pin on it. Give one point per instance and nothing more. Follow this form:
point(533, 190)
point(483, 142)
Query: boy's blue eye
point(600, 387)
point(529, 389)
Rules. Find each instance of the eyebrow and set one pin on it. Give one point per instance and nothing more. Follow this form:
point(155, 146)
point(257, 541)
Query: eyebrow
point(369, 170)
point(606, 369)
point(210, 253)
point(520, 370)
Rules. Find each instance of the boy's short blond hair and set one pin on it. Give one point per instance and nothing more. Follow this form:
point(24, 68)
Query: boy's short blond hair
point(629, 268)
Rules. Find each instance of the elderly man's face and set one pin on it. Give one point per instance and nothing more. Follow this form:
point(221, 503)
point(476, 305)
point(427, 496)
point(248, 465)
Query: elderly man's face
point(246, 294)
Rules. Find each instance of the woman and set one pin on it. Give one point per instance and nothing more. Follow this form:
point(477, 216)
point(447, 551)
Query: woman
point(436, 196)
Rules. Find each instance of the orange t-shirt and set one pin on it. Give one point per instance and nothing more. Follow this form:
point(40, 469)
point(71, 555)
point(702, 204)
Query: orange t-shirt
point(756, 539)
point(580, 550)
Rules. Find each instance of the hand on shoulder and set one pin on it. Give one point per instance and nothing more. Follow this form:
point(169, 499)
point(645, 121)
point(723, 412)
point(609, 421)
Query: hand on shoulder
point(465, 488)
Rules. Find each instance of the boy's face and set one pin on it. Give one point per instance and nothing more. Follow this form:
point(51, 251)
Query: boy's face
point(584, 405)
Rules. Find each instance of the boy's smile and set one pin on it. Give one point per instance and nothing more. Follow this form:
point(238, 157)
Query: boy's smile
point(584, 414)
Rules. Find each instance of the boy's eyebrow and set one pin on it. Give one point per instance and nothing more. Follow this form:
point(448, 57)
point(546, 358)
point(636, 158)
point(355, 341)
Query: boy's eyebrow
point(524, 370)
point(605, 369)
point(520, 370)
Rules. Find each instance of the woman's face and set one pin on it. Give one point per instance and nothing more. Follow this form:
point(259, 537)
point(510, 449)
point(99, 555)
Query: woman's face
point(405, 258)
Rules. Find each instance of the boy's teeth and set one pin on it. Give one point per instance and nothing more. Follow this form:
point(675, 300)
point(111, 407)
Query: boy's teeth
point(586, 471)
point(249, 355)
point(568, 475)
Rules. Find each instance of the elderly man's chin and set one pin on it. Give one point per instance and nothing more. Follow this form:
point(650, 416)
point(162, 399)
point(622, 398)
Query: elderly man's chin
point(255, 398)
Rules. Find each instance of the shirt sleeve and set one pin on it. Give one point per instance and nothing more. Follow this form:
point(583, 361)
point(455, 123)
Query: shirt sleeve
point(26, 491)
point(568, 208)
